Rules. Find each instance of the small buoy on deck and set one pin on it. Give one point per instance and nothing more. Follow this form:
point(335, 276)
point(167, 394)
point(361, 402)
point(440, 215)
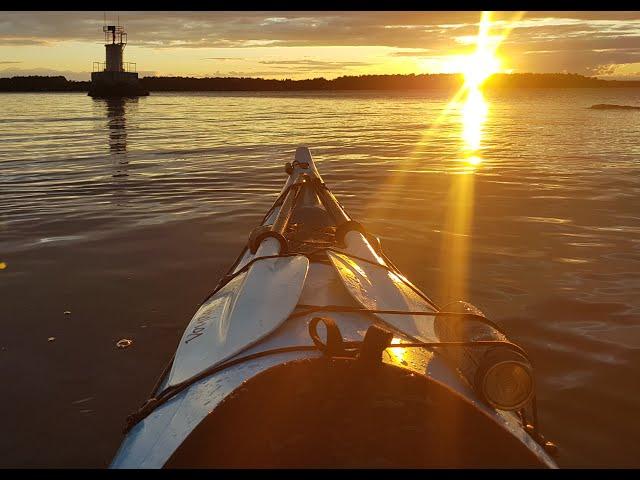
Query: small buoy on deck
point(124, 343)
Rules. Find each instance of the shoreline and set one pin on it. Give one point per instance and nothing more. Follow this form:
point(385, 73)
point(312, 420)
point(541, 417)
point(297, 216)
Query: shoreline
point(391, 83)
point(372, 90)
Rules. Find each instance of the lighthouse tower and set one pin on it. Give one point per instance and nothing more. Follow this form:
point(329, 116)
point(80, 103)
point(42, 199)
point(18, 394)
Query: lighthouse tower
point(115, 39)
point(115, 78)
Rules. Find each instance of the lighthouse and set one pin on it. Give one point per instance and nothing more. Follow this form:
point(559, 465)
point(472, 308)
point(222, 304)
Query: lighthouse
point(114, 77)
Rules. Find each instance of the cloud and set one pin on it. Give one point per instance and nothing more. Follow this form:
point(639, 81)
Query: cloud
point(421, 52)
point(311, 64)
point(222, 59)
point(5, 62)
point(624, 71)
point(539, 41)
point(20, 42)
point(238, 29)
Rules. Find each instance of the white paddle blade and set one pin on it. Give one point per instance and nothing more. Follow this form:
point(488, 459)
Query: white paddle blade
point(241, 313)
point(376, 288)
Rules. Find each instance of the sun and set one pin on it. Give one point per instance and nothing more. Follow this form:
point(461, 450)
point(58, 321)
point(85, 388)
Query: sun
point(481, 65)
point(483, 62)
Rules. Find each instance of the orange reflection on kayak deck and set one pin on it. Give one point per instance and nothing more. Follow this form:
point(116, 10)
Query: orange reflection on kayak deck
point(397, 353)
point(354, 266)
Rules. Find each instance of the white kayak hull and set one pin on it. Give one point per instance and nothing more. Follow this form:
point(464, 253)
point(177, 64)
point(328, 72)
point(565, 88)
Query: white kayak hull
point(156, 437)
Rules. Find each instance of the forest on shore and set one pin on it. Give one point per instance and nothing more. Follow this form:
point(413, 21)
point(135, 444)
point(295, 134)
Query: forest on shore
point(361, 82)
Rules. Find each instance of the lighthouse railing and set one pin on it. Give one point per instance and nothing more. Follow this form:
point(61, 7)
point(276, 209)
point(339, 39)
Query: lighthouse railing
point(126, 67)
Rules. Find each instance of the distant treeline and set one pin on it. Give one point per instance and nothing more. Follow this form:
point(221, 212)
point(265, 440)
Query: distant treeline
point(361, 82)
point(553, 80)
point(42, 84)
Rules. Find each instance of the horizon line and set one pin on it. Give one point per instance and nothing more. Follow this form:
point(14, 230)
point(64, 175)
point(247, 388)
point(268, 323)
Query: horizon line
point(442, 74)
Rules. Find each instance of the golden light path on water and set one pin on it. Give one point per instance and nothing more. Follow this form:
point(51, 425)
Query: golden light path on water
point(474, 114)
point(454, 262)
point(468, 104)
point(456, 243)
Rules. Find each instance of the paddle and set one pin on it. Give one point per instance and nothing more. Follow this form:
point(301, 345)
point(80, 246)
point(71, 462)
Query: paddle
point(244, 311)
point(375, 287)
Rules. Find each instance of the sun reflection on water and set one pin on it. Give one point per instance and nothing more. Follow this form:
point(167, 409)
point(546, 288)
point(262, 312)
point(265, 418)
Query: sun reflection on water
point(480, 66)
point(474, 110)
point(474, 114)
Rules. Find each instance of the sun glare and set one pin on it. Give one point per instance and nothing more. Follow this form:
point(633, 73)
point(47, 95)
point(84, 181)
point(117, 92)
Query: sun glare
point(467, 108)
point(483, 63)
point(479, 66)
point(474, 110)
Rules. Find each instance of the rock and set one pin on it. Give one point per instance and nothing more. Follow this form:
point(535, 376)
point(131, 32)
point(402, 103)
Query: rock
point(610, 106)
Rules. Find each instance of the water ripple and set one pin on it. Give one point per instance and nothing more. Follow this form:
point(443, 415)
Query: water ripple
point(166, 189)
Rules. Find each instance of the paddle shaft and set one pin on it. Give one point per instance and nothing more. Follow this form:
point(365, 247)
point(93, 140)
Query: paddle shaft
point(270, 245)
point(354, 240)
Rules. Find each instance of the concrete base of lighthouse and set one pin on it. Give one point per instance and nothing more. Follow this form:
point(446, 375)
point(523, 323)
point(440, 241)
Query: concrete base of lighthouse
point(116, 84)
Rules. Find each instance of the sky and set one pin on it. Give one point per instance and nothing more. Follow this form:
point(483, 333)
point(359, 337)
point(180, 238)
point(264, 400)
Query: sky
point(321, 44)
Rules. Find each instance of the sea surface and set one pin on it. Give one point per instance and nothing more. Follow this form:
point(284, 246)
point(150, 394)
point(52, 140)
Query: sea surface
point(117, 218)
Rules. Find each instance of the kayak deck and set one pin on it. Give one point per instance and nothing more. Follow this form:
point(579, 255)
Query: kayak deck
point(322, 414)
point(209, 419)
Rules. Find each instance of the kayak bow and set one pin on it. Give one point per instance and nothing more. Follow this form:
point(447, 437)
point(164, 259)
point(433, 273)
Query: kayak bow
point(316, 351)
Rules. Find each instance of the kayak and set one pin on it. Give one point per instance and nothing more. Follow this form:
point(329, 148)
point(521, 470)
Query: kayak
point(315, 351)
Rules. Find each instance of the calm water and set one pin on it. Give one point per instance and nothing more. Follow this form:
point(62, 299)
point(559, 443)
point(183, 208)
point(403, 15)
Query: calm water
point(126, 214)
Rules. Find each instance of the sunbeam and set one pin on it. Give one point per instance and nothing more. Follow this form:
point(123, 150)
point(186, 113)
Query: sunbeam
point(474, 111)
